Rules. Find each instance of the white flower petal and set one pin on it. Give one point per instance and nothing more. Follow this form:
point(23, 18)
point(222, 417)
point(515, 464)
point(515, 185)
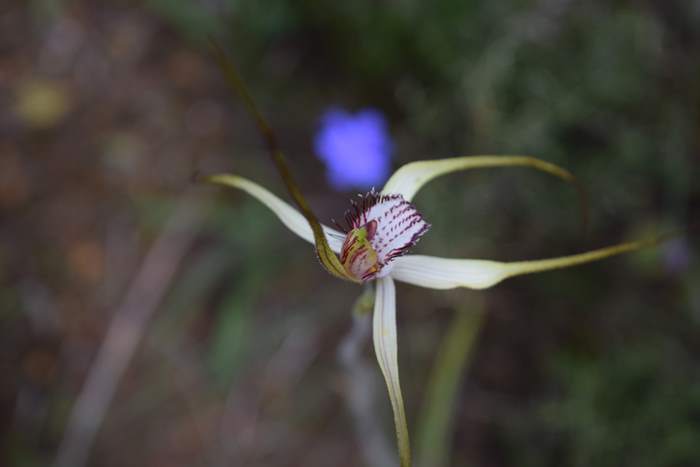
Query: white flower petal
point(447, 273)
point(289, 216)
point(411, 177)
point(386, 349)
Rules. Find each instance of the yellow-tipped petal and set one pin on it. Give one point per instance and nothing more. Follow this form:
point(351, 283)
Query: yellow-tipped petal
point(386, 349)
point(529, 267)
point(411, 177)
point(289, 216)
point(447, 273)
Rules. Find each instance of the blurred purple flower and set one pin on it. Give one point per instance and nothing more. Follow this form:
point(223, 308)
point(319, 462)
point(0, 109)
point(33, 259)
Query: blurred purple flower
point(356, 148)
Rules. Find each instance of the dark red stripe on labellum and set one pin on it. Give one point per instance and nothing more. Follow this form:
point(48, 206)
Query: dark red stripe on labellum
point(391, 226)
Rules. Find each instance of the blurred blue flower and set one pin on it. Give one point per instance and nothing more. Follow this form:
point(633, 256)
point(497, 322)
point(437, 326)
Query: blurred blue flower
point(356, 148)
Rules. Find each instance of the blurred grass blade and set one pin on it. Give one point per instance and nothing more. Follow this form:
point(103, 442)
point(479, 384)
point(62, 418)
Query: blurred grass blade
point(410, 178)
point(325, 254)
point(435, 422)
point(289, 216)
point(386, 349)
point(447, 273)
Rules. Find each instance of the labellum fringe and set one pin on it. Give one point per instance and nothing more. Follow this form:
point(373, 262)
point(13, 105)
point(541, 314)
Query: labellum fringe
point(380, 228)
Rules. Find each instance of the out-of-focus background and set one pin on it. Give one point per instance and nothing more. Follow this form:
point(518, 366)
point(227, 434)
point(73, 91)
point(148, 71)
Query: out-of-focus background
point(240, 340)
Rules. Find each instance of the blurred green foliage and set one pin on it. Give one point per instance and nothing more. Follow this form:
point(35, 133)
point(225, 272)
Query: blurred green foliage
point(598, 365)
point(637, 405)
point(603, 88)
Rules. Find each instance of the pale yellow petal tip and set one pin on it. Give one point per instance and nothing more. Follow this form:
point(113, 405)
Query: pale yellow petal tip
point(410, 178)
point(217, 179)
point(528, 267)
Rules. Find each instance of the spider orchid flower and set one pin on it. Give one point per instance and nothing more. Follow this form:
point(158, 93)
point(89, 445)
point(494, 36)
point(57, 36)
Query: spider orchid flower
point(381, 229)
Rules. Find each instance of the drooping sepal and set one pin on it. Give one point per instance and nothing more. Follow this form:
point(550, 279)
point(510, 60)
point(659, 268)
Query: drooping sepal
point(386, 350)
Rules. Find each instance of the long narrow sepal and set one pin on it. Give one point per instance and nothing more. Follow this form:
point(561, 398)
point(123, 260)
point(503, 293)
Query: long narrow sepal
point(447, 273)
point(386, 349)
point(289, 216)
point(410, 178)
point(325, 254)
